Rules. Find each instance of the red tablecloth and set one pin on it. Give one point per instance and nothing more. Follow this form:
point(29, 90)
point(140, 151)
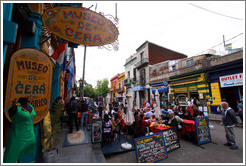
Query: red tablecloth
point(188, 125)
point(157, 129)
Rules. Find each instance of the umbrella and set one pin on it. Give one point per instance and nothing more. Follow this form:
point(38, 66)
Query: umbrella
point(129, 114)
point(151, 95)
point(157, 108)
point(107, 101)
point(123, 100)
point(137, 100)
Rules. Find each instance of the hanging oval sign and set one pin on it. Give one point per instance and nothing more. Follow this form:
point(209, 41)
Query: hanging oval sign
point(79, 25)
point(30, 75)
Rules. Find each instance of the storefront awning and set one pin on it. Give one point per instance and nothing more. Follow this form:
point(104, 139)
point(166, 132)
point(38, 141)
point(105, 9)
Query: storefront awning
point(137, 88)
point(160, 90)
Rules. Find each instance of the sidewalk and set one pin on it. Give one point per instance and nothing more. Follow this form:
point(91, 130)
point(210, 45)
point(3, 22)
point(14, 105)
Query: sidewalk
point(217, 118)
point(85, 153)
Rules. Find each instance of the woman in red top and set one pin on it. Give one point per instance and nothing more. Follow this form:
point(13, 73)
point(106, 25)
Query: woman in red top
point(143, 124)
point(188, 108)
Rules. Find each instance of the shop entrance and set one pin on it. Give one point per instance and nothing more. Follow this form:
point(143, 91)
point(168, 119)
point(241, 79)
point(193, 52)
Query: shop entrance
point(194, 94)
point(182, 97)
point(229, 94)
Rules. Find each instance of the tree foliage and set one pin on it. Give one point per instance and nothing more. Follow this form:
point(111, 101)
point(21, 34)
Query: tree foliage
point(102, 88)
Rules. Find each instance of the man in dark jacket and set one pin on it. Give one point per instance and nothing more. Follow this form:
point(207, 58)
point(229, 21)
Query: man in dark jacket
point(84, 110)
point(73, 113)
point(229, 119)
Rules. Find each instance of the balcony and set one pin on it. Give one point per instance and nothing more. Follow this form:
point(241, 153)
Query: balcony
point(141, 63)
point(120, 90)
point(127, 82)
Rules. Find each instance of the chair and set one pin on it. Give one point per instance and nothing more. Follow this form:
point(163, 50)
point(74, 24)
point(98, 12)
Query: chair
point(118, 132)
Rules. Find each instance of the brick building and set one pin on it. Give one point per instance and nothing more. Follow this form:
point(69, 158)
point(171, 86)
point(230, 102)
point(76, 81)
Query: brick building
point(149, 54)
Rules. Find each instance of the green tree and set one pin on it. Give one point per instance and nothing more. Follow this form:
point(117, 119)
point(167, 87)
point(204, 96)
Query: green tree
point(102, 87)
point(88, 90)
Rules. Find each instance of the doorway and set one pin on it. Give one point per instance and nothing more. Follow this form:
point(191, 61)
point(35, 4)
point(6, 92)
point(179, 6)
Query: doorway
point(229, 94)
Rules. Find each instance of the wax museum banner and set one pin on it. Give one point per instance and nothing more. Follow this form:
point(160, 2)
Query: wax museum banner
point(30, 75)
point(79, 25)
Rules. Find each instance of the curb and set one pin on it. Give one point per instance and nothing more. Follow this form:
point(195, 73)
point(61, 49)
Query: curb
point(219, 120)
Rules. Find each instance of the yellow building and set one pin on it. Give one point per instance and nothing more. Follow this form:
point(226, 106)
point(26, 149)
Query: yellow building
point(185, 86)
point(120, 88)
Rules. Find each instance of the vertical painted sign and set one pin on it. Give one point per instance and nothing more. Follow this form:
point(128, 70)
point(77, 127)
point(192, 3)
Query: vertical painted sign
point(202, 130)
point(30, 75)
point(96, 131)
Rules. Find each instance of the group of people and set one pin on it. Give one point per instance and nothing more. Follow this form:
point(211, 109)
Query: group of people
point(172, 115)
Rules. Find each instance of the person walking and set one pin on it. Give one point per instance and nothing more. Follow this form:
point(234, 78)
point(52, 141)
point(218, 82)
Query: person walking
point(73, 113)
point(84, 111)
point(240, 110)
point(229, 119)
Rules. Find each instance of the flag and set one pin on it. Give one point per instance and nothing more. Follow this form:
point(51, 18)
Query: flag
point(71, 75)
point(60, 53)
point(228, 46)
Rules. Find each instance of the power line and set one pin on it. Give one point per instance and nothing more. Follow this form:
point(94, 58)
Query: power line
point(216, 12)
point(220, 43)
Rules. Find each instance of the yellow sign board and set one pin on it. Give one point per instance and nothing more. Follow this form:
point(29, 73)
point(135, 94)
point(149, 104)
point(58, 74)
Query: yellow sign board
point(30, 75)
point(180, 90)
point(80, 25)
point(193, 88)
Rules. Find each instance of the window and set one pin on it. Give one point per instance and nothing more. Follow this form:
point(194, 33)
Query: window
point(189, 62)
point(173, 67)
point(141, 56)
point(142, 76)
point(134, 74)
point(128, 74)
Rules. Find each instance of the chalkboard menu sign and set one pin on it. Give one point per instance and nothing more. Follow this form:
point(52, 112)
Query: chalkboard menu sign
point(150, 148)
point(202, 130)
point(171, 139)
point(96, 131)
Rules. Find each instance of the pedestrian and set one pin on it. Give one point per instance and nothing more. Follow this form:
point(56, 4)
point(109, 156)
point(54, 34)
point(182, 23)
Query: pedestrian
point(229, 119)
point(240, 110)
point(73, 113)
point(84, 111)
point(148, 113)
point(220, 109)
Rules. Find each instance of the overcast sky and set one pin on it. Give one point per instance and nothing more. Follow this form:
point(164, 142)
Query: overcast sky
point(178, 25)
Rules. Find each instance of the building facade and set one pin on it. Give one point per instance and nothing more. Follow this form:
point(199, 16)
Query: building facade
point(121, 89)
point(190, 80)
point(226, 80)
point(114, 85)
point(149, 54)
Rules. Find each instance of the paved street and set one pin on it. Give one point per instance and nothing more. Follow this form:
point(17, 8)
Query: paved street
point(190, 153)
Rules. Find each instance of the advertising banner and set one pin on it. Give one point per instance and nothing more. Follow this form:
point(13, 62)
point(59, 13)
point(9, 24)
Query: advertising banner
point(231, 80)
point(79, 25)
point(30, 75)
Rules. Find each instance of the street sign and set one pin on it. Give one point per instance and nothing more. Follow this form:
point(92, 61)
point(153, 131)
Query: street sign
point(80, 25)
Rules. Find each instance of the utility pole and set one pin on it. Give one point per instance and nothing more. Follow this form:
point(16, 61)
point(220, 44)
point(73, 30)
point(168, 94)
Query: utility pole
point(83, 76)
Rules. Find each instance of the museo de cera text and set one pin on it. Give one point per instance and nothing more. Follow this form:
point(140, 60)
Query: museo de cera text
point(80, 26)
point(30, 75)
point(32, 85)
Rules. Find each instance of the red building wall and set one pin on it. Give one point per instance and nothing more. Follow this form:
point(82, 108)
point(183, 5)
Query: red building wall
point(159, 54)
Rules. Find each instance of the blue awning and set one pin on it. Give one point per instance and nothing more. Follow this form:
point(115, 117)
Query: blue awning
point(160, 90)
